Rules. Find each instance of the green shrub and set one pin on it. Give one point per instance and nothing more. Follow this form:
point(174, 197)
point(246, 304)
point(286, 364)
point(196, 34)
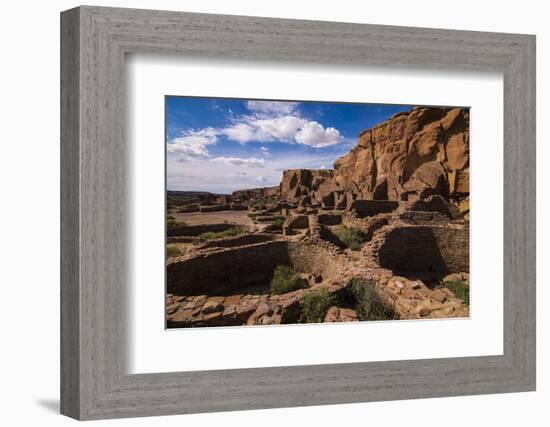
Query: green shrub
point(352, 237)
point(315, 305)
point(230, 232)
point(277, 224)
point(369, 305)
point(172, 251)
point(460, 289)
point(286, 279)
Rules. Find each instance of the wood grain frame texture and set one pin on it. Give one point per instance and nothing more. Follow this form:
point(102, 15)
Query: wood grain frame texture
point(94, 381)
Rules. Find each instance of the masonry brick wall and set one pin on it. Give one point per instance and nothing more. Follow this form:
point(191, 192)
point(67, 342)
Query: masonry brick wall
point(230, 270)
point(195, 230)
point(437, 249)
point(245, 239)
point(226, 271)
point(365, 208)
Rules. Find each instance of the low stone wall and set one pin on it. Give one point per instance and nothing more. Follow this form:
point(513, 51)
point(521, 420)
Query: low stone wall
point(188, 209)
point(422, 248)
point(365, 208)
point(226, 271)
point(268, 218)
point(245, 239)
point(372, 225)
point(230, 270)
point(327, 235)
point(257, 193)
point(435, 203)
point(296, 222)
point(314, 258)
point(421, 218)
point(183, 239)
point(195, 230)
point(238, 207)
point(329, 219)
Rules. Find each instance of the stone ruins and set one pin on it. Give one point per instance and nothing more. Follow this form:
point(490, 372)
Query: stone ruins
point(404, 188)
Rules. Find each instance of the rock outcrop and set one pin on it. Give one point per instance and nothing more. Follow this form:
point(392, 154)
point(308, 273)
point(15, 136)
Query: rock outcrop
point(319, 187)
point(411, 155)
point(262, 193)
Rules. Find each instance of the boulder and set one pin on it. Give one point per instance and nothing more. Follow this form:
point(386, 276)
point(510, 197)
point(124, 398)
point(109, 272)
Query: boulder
point(459, 182)
point(430, 176)
point(435, 203)
point(339, 314)
point(464, 207)
point(304, 182)
point(390, 159)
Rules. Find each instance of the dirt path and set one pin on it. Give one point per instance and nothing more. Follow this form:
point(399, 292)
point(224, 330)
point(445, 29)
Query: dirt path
point(200, 218)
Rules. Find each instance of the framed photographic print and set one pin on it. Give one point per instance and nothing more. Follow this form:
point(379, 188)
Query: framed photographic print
point(260, 231)
point(323, 212)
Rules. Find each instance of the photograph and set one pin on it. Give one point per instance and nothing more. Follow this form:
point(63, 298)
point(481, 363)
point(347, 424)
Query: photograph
point(293, 212)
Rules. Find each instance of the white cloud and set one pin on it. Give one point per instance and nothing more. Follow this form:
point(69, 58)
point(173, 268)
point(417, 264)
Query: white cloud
point(265, 152)
point(270, 122)
point(288, 129)
point(241, 132)
point(261, 179)
point(253, 128)
point(317, 136)
point(272, 107)
point(277, 128)
point(252, 162)
point(224, 177)
point(193, 144)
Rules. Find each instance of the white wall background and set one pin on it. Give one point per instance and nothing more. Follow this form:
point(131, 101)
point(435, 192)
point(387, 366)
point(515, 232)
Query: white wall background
point(29, 214)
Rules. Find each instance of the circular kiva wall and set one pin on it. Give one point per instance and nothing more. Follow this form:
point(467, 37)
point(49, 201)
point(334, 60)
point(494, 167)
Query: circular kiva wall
point(426, 249)
point(229, 270)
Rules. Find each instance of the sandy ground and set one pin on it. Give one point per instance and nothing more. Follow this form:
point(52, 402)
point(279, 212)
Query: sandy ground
point(198, 218)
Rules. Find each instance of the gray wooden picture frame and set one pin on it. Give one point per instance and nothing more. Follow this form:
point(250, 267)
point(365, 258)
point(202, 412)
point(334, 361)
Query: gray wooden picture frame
point(94, 381)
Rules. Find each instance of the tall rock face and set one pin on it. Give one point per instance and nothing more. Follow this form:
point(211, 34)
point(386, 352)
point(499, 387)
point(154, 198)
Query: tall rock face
point(412, 156)
point(313, 184)
point(409, 157)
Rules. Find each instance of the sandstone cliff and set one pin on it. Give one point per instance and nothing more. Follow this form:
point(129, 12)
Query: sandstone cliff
point(306, 186)
point(411, 155)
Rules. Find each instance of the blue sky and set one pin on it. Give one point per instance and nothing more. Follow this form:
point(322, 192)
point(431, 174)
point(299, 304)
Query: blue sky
point(222, 145)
